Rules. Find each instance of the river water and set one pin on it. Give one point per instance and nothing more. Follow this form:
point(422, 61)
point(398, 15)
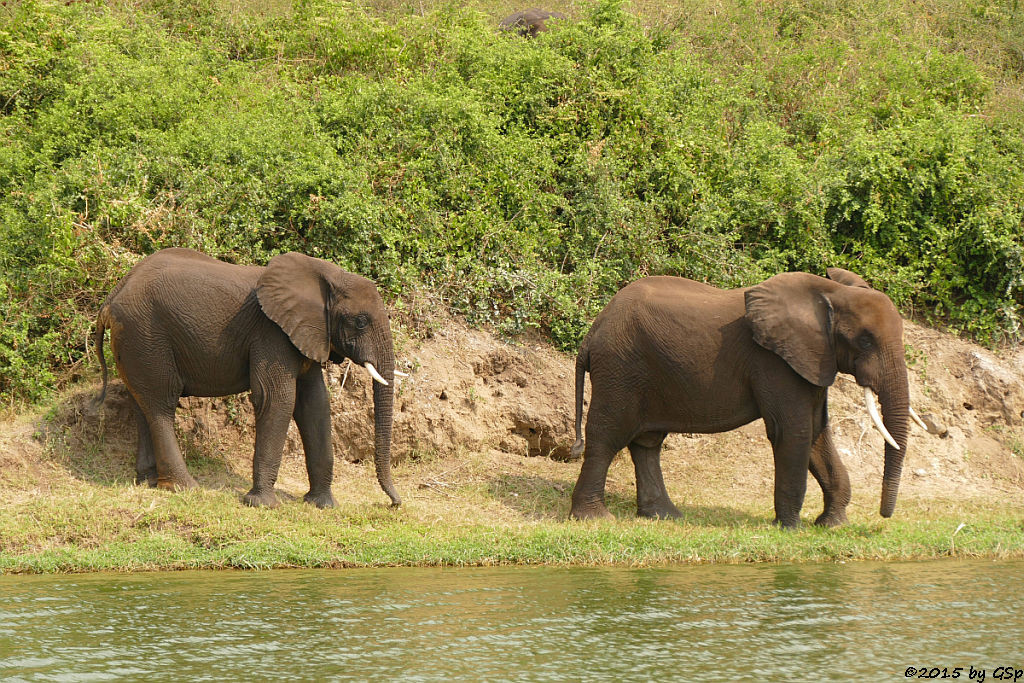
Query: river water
point(763, 622)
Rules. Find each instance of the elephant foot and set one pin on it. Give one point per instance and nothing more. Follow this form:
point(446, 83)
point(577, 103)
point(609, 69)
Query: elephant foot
point(148, 477)
point(831, 519)
point(788, 524)
point(662, 509)
point(321, 500)
point(258, 499)
point(176, 483)
point(582, 512)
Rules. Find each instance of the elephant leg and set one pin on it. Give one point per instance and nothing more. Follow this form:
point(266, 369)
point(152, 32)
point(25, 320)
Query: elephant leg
point(158, 416)
point(588, 495)
point(145, 460)
point(651, 496)
point(792, 451)
point(313, 417)
point(833, 478)
point(273, 403)
point(171, 473)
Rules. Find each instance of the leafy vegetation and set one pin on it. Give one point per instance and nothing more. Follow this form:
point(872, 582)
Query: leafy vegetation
point(522, 182)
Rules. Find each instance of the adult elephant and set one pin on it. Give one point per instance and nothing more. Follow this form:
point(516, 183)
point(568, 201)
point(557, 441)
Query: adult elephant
point(673, 355)
point(185, 324)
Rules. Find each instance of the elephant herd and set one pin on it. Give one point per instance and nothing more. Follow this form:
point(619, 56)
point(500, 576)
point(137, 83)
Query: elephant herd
point(666, 355)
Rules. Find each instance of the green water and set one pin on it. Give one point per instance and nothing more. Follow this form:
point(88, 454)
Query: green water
point(807, 622)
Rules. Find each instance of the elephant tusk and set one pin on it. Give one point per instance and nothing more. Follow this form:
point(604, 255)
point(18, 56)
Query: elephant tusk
point(918, 420)
point(401, 374)
point(869, 399)
point(373, 373)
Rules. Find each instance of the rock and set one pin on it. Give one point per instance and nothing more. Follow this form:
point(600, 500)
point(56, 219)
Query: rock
point(528, 22)
point(934, 426)
point(997, 388)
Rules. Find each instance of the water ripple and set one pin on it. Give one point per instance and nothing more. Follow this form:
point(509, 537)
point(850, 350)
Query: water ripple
point(697, 623)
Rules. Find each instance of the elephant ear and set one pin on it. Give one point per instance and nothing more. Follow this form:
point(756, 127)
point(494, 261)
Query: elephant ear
point(845, 277)
point(791, 316)
point(293, 291)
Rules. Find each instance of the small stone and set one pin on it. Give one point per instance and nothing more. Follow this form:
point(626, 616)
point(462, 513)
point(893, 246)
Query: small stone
point(443, 395)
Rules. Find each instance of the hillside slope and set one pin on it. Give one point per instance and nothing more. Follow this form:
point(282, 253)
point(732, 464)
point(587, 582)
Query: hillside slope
point(520, 182)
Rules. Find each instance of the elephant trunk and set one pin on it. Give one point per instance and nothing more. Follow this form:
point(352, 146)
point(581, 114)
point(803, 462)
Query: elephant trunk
point(895, 400)
point(383, 415)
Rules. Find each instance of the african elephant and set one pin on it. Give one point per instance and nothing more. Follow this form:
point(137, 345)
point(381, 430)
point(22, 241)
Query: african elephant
point(673, 355)
point(185, 324)
point(528, 22)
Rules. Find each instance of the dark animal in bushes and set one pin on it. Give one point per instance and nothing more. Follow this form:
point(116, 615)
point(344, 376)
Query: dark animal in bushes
point(185, 324)
point(673, 355)
point(529, 22)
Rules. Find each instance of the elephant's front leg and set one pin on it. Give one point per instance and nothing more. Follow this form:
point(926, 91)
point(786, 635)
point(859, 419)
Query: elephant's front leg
point(273, 400)
point(651, 495)
point(831, 475)
point(313, 416)
point(792, 450)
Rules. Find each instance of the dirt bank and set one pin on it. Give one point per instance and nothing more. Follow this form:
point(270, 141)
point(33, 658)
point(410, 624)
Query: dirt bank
point(511, 406)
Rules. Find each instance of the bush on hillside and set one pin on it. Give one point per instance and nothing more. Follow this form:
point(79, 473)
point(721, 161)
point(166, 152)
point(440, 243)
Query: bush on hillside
point(522, 181)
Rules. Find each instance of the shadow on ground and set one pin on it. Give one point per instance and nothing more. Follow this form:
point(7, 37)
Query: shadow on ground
point(97, 443)
point(539, 497)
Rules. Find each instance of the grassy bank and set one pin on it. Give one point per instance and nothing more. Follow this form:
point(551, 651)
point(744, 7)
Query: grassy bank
point(67, 513)
point(519, 183)
point(125, 529)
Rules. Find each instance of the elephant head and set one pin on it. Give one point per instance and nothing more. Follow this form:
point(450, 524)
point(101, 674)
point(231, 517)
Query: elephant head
point(330, 314)
point(823, 326)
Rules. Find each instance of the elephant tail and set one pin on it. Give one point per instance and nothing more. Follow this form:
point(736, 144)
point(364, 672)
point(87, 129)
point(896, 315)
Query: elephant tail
point(582, 366)
point(102, 323)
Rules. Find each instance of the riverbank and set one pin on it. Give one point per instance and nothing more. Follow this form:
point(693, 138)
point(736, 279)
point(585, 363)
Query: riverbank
point(481, 438)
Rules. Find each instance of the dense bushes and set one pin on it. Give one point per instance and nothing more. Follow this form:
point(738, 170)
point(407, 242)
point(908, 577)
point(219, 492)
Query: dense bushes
point(521, 181)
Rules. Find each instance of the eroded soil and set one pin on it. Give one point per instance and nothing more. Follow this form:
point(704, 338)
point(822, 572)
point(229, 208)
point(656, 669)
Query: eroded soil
point(479, 412)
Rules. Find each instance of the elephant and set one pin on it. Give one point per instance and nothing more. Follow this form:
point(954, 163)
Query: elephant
point(669, 354)
point(185, 324)
point(528, 22)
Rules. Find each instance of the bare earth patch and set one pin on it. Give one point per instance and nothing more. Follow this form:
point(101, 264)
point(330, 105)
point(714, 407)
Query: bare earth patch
point(483, 429)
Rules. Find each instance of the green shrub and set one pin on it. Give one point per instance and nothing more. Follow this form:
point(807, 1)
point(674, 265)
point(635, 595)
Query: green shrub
point(523, 181)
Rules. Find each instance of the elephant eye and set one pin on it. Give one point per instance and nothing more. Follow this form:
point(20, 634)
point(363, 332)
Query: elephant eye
point(864, 341)
point(361, 322)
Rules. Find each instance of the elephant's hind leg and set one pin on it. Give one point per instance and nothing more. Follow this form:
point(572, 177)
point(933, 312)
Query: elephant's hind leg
point(171, 473)
point(313, 417)
point(145, 459)
point(588, 495)
point(833, 478)
point(651, 496)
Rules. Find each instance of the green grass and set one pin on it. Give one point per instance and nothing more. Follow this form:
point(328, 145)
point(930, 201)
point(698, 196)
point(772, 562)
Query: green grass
point(125, 528)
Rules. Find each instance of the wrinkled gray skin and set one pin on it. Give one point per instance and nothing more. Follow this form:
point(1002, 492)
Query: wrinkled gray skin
point(674, 355)
point(185, 324)
point(529, 22)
